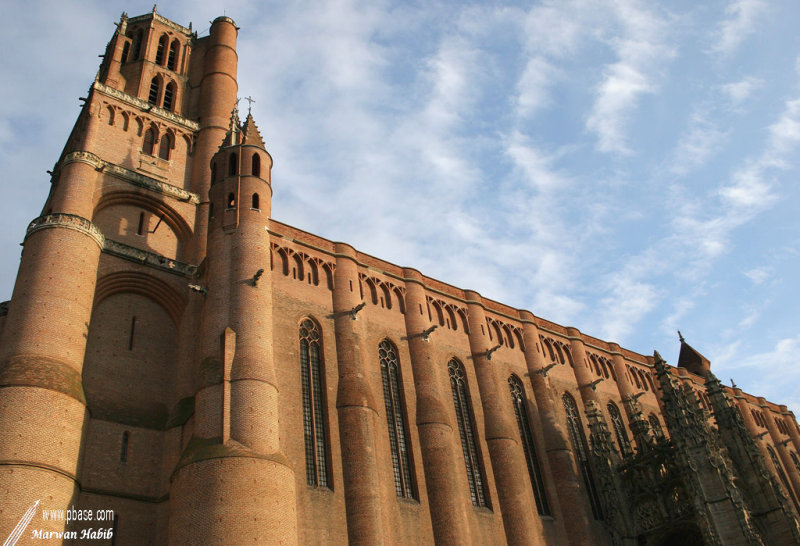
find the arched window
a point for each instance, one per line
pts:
(172, 59)
(110, 115)
(581, 449)
(165, 146)
(137, 45)
(255, 201)
(169, 97)
(466, 429)
(125, 50)
(396, 420)
(256, 167)
(655, 424)
(162, 46)
(232, 164)
(155, 87)
(231, 202)
(312, 377)
(619, 428)
(149, 141)
(525, 433)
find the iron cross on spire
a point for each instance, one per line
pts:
(250, 101)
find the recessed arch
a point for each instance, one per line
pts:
(144, 285)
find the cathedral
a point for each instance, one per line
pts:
(177, 366)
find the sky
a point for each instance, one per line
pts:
(629, 168)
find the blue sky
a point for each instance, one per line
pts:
(629, 168)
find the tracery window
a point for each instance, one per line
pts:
(466, 429)
(655, 424)
(619, 428)
(314, 428)
(396, 420)
(581, 449)
(782, 476)
(528, 445)
(795, 460)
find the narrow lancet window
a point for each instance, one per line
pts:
(314, 428)
(123, 454)
(172, 60)
(396, 420)
(528, 445)
(231, 203)
(256, 167)
(232, 160)
(165, 146)
(149, 142)
(162, 45)
(619, 428)
(155, 87)
(255, 202)
(466, 429)
(581, 449)
(169, 96)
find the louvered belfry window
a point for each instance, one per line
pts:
(311, 375)
(518, 399)
(466, 429)
(396, 420)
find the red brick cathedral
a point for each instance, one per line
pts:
(174, 354)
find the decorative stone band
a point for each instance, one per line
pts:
(146, 106)
(151, 259)
(132, 177)
(69, 221)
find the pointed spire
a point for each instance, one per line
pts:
(233, 136)
(251, 133)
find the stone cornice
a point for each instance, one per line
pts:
(145, 106)
(69, 221)
(133, 177)
(163, 20)
(133, 254)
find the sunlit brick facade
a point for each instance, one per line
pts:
(175, 354)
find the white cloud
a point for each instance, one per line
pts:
(758, 275)
(702, 140)
(739, 91)
(740, 19)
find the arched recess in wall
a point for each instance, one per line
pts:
(118, 215)
(130, 351)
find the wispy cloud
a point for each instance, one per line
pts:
(701, 140)
(739, 91)
(740, 20)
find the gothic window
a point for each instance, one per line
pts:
(162, 46)
(110, 116)
(619, 428)
(149, 141)
(795, 460)
(396, 420)
(655, 424)
(125, 49)
(525, 433)
(165, 146)
(232, 164)
(231, 203)
(311, 376)
(466, 429)
(169, 97)
(155, 87)
(581, 449)
(256, 167)
(782, 475)
(255, 201)
(172, 59)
